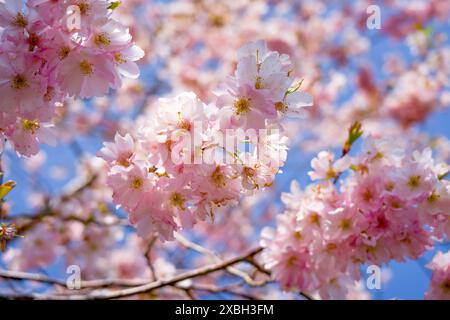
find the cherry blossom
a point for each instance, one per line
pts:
(42, 61)
(373, 217)
(173, 170)
(440, 280)
(201, 137)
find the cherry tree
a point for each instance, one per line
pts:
(193, 149)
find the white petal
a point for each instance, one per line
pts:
(129, 69)
(133, 53)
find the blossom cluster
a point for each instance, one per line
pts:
(166, 183)
(50, 50)
(440, 280)
(393, 204)
(78, 224)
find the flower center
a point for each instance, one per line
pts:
(242, 105)
(446, 286)
(345, 224)
(183, 123)
(177, 200)
(85, 68)
(33, 40)
(20, 20)
(331, 173)
(216, 20)
(124, 161)
(395, 204)
(218, 178)
(84, 7)
(30, 125)
(434, 196)
(280, 106)
(414, 181)
(367, 195)
(64, 52)
(19, 82)
(331, 246)
(136, 183)
(119, 58)
(102, 40)
(314, 218)
(389, 186)
(291, 261)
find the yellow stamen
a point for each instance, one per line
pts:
(19, 82)
(124, 162)
(102, 40)
(314, 218)
(331, 246)
(241, 105)
(345, 224)
(119, 58)
(85, 68)
(183, 124)
(377, 156)
(20, 20)
(218, 177)
(30, 125)
(367, 195)
(434, 196)
(414, 181)
(177, 200)
(259, 83)
(330, 173)
(395, 204)
(446, 286)
(389, 186)
(84, 7)
(280, 106)
(64, 52)
(216, 20)
(136, 183)
(291, 261)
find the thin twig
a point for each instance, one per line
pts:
(147, 255)
(232, 270)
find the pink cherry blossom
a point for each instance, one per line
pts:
(178, 167)
(325, 168)
(440, 280)
(383, 211)
(43, 61)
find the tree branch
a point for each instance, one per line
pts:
(136, 286)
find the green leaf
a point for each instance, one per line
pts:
(443, 176)
(354, 132)
(6, 188)
(427, 31)
(114, 5)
